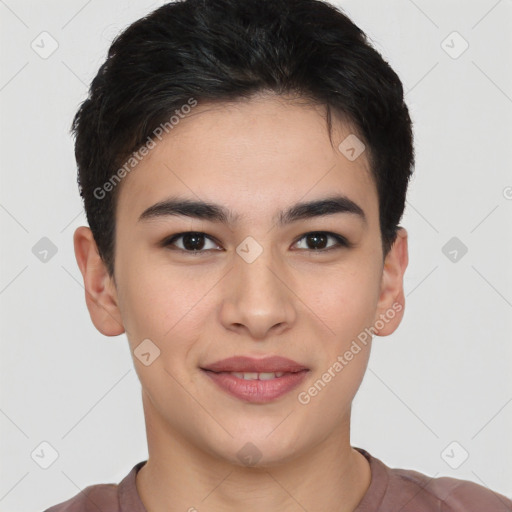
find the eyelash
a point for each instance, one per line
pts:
(341, 242)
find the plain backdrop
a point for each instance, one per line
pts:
(436, 391)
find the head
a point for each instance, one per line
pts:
(248, 108)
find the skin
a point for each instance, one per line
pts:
(256, 157)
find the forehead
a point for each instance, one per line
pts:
(256, 156)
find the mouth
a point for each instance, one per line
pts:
(255, 375)
(256, 381)
(244, 364)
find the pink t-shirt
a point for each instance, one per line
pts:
(391, 490)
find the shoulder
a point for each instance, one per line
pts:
(407, 490)
(445, 494)
(102, 497)
(122, 497)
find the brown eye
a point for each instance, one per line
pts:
(195, 243)
(192, 241)
(317, 241)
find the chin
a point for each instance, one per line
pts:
(260, 450)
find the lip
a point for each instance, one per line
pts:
(270, 364)
(256, 391)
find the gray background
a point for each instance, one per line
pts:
(442, 377)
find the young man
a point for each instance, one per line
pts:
(244, 168)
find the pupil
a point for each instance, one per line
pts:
(318, 236)
(192, 240)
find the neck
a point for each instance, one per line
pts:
(179, 475)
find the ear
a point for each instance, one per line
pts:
(391, 305)
(100, 290)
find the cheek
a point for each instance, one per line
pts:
(162, 303)
(347, 306)
(345, 300)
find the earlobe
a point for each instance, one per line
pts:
(391, 306)
(100, 293)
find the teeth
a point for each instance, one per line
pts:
(257, 376)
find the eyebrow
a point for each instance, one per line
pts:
(175, 206)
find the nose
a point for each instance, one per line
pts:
(258, 300)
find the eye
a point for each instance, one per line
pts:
(192, 242)
(318, 239)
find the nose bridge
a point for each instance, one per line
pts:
(257, 273)
(259, 276)
(257, 296)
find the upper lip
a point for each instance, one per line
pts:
(271, 364)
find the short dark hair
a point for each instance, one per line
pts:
(229, 50)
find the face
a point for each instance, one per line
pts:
(257, 283)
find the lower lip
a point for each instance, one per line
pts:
(257, 391)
